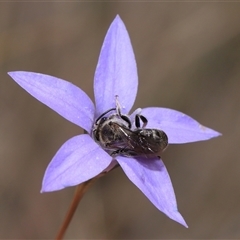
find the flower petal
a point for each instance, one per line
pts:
(179, 127)
(63, 97)
(78, 160)
(151, 177)
(116, 72)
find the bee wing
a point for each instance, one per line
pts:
(146, 143)
(135, 143)
(125, 134)
(140, 142)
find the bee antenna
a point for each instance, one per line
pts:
(112, 109)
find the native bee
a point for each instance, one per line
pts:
(116, 135)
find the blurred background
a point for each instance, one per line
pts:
(188, 57)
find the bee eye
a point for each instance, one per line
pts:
(107, 133)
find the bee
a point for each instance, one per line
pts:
(146, 142)
(115, 135)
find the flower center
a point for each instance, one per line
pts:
(114, 133)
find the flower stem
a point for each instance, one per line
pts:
(80, 190)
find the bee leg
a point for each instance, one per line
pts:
(123, 152)
(143, 119)
(115, 153)
(126, 119)
(137, 121)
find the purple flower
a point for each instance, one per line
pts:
(81, 158)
